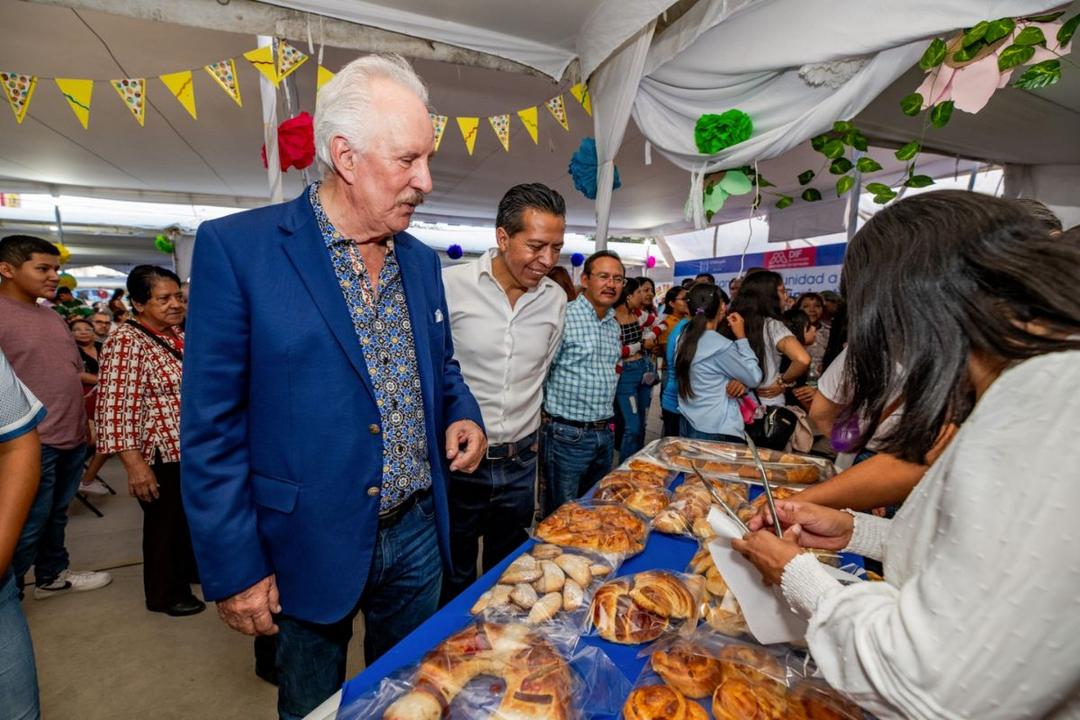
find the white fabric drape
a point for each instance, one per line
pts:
(613, 88)
(751, 61)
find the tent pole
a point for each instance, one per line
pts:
(269, 112)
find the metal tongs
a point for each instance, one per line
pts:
(765, 483)
(719, 500)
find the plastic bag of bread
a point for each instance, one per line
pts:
(547, 583)
(642, 607)
(720, 610)
(733, 460)
(687, 513)
(502, 672)
(598, 525)
(644, 497)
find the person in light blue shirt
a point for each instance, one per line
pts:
(706, 363)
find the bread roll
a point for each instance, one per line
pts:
(619, 619)
(663, 593)
(688, 669)
(545, 608)
(655, 702)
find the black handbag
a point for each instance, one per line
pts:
(773, 430)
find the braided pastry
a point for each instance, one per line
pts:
(663, 593)
(646, 499)
(739, 699)
(688, 669)
(607, 528)
(618, 619)
(538, 681)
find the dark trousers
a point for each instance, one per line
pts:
(497, 503)
(671, 423)
(402, 591)
(168, 560)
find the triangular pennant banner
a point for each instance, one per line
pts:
(133, 92)
(288, 59)
(19, 89)
(557, 108)
(77, 93)
(581, 94)
(469, 126)
(324, 77)
(179, 84)
(224, 73)
(501, 125)
(263, 60)
(438, 122)
(529, 120)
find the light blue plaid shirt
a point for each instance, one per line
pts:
(581, 382)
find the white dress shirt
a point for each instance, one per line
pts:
(979, 614)
(504, 352)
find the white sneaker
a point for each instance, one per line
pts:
(94, 487)
(72, 581)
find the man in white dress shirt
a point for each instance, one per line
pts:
(507, 320)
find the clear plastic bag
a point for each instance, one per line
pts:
(546, 584)
(643, 468)
(720, 610)
(642, 607)
(688, 510)
(734, 461)
(642, 496)
(498, 672)
(607, 527)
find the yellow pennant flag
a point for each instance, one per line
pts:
(557, 108)
(324, 77)
(179, 84)
(438, 123)
(224, 73)
(133, 92)
(469, 126)
(77, 93)
(288, 59)
(501, 125)
(263, 60)
(529, 120)
(581, 94)
(19, 89)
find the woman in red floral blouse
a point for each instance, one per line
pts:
(138, 418)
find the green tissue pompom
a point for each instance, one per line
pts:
(713, 133)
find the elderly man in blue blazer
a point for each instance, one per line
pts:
(321, 399)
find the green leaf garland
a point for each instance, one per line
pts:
(1014, 55)
(908, 151)
(1066, 31)
(806, 177)
(833, 149)
(784, 201)
(919, 181)
(878, 188)
(934, 55)
(999, 28)
(1030, 35)
(976, 33)
(840, 166)
(867, 165)
(912, 104)
(811, 195)
(844, 184)
(940, 114)
(1038, 76)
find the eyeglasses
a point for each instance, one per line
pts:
(604, 277)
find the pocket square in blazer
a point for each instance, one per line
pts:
(438, 315)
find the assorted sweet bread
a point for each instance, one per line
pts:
(821, 702)
(736, 460)
(642, 607)
(539, 684)
(543, 582)
(651, 473)
(660, 702)
(720, 610)
(688, 510)
(645, 498)
(605, 527)
(688, 668)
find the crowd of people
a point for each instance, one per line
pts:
(334, 424)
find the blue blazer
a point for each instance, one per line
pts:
(279, 429)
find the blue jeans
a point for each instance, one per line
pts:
(18, 676)
(574, 459)
(41, 543)
(496, 502)
(632, 399)
(688, 431)
(402, 591)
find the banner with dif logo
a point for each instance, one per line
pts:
(804, 269)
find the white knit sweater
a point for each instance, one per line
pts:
(979, 616)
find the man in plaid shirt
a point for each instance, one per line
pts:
(580, 389)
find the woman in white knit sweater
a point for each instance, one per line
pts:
(979, 614)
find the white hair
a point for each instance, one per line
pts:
(345, 104)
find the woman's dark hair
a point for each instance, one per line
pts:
(647, 280)
(983, 269)
(1044, 215)
(757, 301)
(670, 297)
(811, 296)
(705, 301)
(630, 286)
(837, 337)
(140, 281)
(797, 321)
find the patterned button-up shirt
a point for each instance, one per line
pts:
(384, 331)
(581, 383)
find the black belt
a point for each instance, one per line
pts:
(507, 451)
(586, 424)
(391, 516)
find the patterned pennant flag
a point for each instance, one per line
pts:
(224, 73)
(501, 125)
(581, 94)
(529, 120)
(19, 89)
(438, 122)
(324, 77)
(133, 92)
(179, 84)
(263, 60)
(469, 126)
(557, 108)
(288, 59)
(77, 93)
